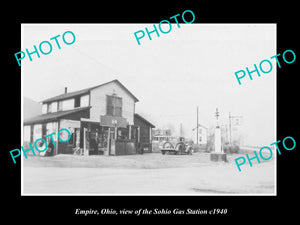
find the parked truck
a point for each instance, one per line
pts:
(177, 146)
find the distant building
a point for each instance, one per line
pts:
(31, 108)
(160, 136)
(202, 135)
(101, 120)
(161, 132)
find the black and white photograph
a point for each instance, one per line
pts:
(149, 112)
(167, 116)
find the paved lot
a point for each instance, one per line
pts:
(145, 174)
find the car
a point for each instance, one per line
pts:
(176, 146)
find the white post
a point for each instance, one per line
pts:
(85, 150)
(138, 136)
(129, 132)
(108, 141)
(218, 147)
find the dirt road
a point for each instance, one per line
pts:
(151, 174)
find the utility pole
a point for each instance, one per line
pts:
(218, 136)
(197, 126)
(229, 128)
(180, 129)
(217, 116)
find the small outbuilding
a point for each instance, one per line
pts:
(145, 130)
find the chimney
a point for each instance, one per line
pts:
(66, 90)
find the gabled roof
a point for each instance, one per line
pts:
(199, 125)
(67, 95)
(53, 116)
(86, 91)
(144, 120)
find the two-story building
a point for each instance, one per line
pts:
(202, 136)
(101, 120)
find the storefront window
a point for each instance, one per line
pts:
(103, 137)
(133, 133)
(37, 131)
(50, 128)
(122, 133)
(26, 134)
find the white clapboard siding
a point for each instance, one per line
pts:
(98, 102)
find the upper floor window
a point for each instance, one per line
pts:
(44, 108)
(60, 105)
(49, 108)
(113, 105)
(84, 100)
(54, 107)
(77, 101)
(68, 104)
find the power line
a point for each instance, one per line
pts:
(93, 59)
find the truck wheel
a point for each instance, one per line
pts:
(167, 145)
(179, 147)
(163, 152)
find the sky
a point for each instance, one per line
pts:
(171, 75)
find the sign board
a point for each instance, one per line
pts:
(112, 121)
(69, 123)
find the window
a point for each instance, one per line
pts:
(37, 131)
(114, 106)
(54, 106)
(122, 133)
(49, 108)
(68, 104)
(44, 108)
(84, 100)
(59, 108)
(27, 133)
(50, 128)
(77, 102)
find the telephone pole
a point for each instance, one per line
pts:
(229, 128)
(181, 133)
(197, 126)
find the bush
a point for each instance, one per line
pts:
(231, 149)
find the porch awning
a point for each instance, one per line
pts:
(43, 118)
